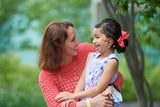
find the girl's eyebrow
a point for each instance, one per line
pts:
(98, 34)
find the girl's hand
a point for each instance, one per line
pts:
(102, 100)
(63, 96)
(109, 91)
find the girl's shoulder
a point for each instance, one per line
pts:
(113, 56)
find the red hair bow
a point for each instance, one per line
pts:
(124, 36)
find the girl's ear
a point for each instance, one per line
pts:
(111, 41)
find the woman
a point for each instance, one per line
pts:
(62, 60)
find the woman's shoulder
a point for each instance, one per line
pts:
(85, 46)
(44, 75)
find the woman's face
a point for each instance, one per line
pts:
(71, 43)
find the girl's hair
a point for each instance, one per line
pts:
(51, 51)
(112, 29)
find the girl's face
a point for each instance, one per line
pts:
(71, 43)
(100, 41)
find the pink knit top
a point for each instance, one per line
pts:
(51, 83)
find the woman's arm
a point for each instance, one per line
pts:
(48, 84)
(81, 83)
(118, 83)
(100, 100)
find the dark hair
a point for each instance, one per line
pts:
(51, 48)
(112, 29)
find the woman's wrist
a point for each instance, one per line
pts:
(92, 102)
(88, 103)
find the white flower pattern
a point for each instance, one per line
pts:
(94, 70)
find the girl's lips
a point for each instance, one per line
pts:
(96, 47)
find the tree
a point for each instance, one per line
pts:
(119, 9)
(19, 16)
(7, 13)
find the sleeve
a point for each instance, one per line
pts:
(118, 83)
(50, 89)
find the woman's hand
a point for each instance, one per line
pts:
(63, 96)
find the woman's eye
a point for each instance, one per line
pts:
(97, 36)
(73, 39)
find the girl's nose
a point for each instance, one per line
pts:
(93, 41)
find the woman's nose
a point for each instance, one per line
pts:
(77, 41)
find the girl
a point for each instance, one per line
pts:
(101, 68)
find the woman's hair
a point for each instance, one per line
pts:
(112, 29)
(51, 51)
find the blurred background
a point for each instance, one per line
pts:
(22, 23)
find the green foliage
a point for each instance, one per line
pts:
(150, 7)
(122, 6)
(128, 90)
(20, 88)
(8, 8)
(7, 68)
(17, 16)
(147, 30)
(147, 17)
(152, 74)
(44, 12)
(19, 84)
(153, 77)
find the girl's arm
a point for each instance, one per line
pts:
(81, 82)
(79, 87)
(103, 82)
(100, 100)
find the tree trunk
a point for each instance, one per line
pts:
(134, 54)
